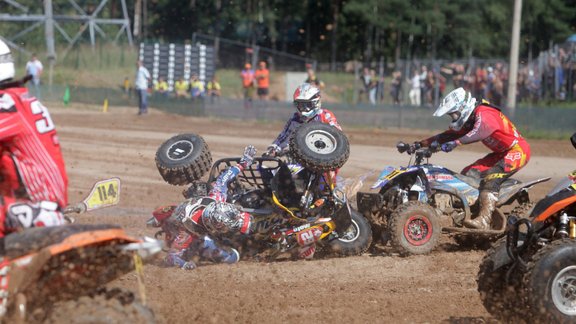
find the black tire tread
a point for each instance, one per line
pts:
(396, 234)
(189, 172)
(532, 298)
(312, 162)
(360, 245)
(500, 299)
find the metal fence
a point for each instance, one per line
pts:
(535, 121)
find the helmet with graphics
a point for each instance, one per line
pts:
(307, 101)
(459, 105)
(221, 217)
(6, 63)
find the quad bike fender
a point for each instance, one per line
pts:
(437, 186)
(343, 217)
(390, 173)
(508, 194)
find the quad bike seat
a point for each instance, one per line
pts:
(475, 182)
(284, 187)
(34, 239)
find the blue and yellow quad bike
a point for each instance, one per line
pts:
(414, 204)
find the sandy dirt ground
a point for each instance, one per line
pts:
(376, 287)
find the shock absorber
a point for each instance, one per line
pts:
(563, 222)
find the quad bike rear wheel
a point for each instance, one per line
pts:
(355, 240)
(550, 283)
(114, 306)
(414, 228)
(319, 147)
(499, 288)
(183, 159)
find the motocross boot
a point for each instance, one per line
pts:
(487, 202)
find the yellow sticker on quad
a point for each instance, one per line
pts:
(105, 193)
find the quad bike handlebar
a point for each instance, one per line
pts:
(417, 149)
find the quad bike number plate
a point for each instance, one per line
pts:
(104, 193)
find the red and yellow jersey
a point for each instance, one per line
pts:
(489, 125)
(28, 137)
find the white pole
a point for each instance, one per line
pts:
(514, 49)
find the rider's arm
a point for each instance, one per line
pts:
(442, 138)
(220, 189)
(283, 138)
(327, 117)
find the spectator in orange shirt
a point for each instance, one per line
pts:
(262, 76)
(247, 76)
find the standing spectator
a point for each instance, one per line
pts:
(247, 76)
(430, 85)
(372, 87)
(396, 87)
(181, 88)
(141, 85)
(366, 79)
(196, 87)
(161, 87)
(313, 79)
(423, 84)
(262, 76)
(127, 87)
(34, 68)
(213, 89)
(415, 89)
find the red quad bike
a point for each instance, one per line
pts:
(284, 195)
(530, 275)
(57, 274)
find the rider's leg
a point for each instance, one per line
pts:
(211, 251)
(509, 163)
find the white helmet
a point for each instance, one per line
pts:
(6, 62)
(458, 101)
(307, 101)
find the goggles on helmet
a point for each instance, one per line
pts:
(304, 106)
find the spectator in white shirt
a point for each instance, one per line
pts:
(141, 86)
(34, 68)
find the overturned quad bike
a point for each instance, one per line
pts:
(416, 203)
(293, 194)
(530, 274)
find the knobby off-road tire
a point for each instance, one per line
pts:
(114, 306)
(550, 283)
(356, 240)
(498, 293)
(414, 228)
(183, 159)
(319, 147)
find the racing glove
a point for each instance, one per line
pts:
(271, 151)
(449, 146)
(248, 156)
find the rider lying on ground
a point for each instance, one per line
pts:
(193, 226)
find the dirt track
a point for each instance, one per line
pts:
(378, 287)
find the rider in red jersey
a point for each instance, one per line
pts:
(472, 122)
(34, 184)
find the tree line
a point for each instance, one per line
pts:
(341, 30)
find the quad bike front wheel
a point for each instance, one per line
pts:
(355, 240)
(550, 283)
(319, 147)
(414, 228)
(183, 159)
(499, 288)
